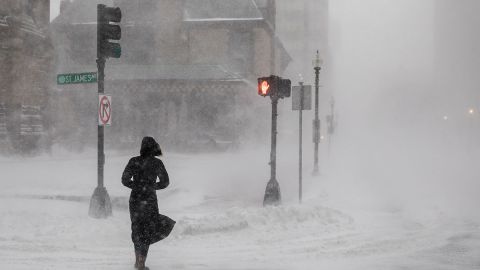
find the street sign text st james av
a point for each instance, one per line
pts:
(77, 78)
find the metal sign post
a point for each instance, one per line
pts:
(316, 121)
(301, 100)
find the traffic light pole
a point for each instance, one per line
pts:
(100, 204)
(273, 148)
(272, 191)
(101, 129)
(316, 123)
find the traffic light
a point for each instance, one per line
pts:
(277, 88)
(266, 86)
(107, 32)
(274, 86)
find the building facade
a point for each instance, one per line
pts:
(188, 69)
(26, 57)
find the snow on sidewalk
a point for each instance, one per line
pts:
(221, 224)
(51, 234)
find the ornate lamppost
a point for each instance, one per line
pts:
(317, 63)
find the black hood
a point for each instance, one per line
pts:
(150, 147)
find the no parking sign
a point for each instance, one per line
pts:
(104, 110)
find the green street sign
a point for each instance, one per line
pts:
(76, 78)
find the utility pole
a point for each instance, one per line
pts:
(316, 121)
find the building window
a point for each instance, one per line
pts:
(241, 51)
(29, 8)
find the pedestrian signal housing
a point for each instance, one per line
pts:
(265, 86)
(284, 88)
(274, 86)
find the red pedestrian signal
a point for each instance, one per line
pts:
(264, 88)
(274, 86)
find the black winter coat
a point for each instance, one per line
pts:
(148, 226)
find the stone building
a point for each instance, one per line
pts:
(26, 56)
(188, 69)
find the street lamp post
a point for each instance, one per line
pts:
(316, 122)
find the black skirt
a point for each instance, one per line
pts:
(162, 226)
(148, 226)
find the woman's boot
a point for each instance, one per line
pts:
(141, 262)
(136, 260)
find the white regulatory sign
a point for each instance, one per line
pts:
(307, 97)
(104, 110)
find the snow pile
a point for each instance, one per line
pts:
(270, 218)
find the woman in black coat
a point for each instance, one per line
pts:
(148, 226)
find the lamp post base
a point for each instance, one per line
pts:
(100, 204)
(272, 194)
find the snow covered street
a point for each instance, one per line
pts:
(44, 222)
